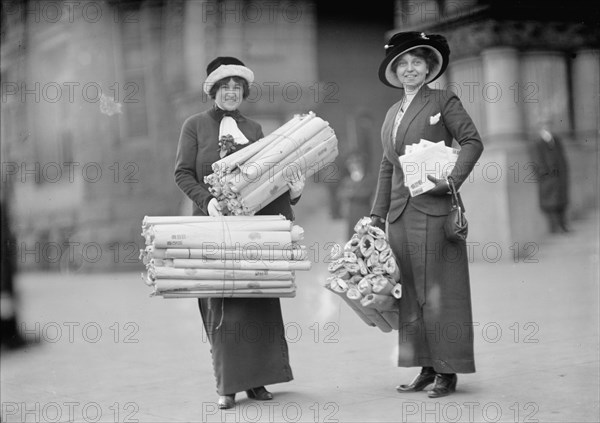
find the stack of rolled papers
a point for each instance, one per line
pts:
(365, 275)
(249, 179)
(223, 256)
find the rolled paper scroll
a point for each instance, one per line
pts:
(380, 302)
(342, 273)
(392, 318)
(237, 264)
(362, 225)
(380, 244)
(336, 284)
(168, 236)
(337, 251)
(160, 220)
(335, 265)
(218, 274)
(367, 245)
(354, 294)
(258, 171)
(381, 285)
(228, 163)
(362, 266)
(355, 279)
(247, 252)
(241, 293)
(371, 270)
(378, 270)
(364, 287)
(350, 257)
(397, 291)
(352, 268)
(208, 285)
(375, 232)
(373, 260)
(385, 255)
(353, 244)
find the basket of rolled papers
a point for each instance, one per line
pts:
(247, 180)
(364, 273)
(222, 256)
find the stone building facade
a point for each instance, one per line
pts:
(94, 94)
(514, 64)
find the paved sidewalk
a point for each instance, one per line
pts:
(110, 353)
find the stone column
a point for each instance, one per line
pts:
(498, 189)
(467, 81)
(198, 15)
(503, 115)
(544, 90)
(586, 93)
(583, 151)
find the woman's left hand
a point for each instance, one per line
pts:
(296, 184)
(441, 186)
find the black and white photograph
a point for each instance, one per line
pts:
(300, 211)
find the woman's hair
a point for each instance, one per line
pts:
(424, 53)
(221, 82)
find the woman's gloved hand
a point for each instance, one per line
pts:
(378, 222)
(296, 182)
(441, 186)
(214, 208)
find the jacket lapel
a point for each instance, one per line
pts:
(416, 105)
(388, 127)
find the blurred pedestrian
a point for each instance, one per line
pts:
(435, 309)
(552, 175)
(10, 336)
(247, 336)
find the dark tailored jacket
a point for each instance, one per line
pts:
(198, 149)
(454, 123)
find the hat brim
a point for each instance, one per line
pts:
(389, 77)
(225, 71)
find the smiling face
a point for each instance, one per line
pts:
(411, 70)
(229, 95)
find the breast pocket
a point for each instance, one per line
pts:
(434, 128)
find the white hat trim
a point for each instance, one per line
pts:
(224, 71)
(393, 78)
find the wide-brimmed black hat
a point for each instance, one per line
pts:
(225, 66)
(403, 42)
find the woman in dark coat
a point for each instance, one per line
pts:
(435, 310)
(248, 346)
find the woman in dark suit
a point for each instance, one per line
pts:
(247, 339)
(435, 310)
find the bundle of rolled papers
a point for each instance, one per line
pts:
(223, 256)
(365, 275)
(249, 179)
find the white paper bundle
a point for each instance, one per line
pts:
(223, 256)
(365, 275)
(247, 180)
(423, 159)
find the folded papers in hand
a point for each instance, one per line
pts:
(427, 158)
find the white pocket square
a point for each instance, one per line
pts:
(434, 119)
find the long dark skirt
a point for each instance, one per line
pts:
(248, 343)
(436, 327)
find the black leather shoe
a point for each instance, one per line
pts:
(259, 393)
(226, 401)
(419, 383)
(444, 385)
